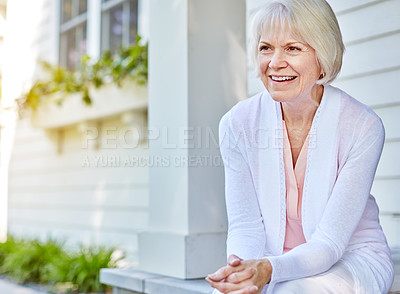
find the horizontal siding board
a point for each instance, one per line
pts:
(96, 219)
(391, 227)
(76, 160)
(371, 56)
(391, 121)
(375, 90)
(385, 15)
(389, 166)
(96, 177)
(77, 188)
(387, 195)
(337, 5)
(137, 198)
(251, 5)
(342, 5)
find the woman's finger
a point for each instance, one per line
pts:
(226, 287)
(247, 290)
(222, 273)
(234, 260)
(241, 276)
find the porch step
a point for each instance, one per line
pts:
(130, 281)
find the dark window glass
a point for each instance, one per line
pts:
(73, 46)
(66, 10)
(119, 25)
(133, 20)
(73, 32)
(82, 6)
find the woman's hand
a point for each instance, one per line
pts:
(241, 276)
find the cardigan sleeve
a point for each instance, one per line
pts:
(246, 235)
(343, 211)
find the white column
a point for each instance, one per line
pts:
(197, 67)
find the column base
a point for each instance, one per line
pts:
(181, 256)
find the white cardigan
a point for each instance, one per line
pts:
(339, 216)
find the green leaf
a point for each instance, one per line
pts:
(130, 62)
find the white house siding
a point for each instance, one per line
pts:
(59, 186)
(371, 73)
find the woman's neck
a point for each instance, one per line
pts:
(300, 113)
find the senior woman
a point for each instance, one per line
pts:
(300, 159)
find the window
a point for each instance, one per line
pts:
(112, 23)
(72, 32)
(119, 23)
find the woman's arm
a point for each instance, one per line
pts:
(246, 272)
(246, 235)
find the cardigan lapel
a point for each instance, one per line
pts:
(271, 174)
(322, 160)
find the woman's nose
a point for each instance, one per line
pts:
(277, 61)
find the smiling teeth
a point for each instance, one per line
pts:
(282, 78)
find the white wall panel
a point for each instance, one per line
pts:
(120, 220)
(389, 166)
(372, 56)
(342, 5)
(391, 227)
(376, 89)
(357, 25)
(104, 198)
(51, 193)
(390, 118)
(387, 195)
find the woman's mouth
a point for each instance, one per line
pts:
(282, 78)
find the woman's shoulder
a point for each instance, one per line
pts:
(356, 118)
(353, 111)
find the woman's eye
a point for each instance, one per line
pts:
(264, 48)
(293, 49)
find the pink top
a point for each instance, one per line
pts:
(294, 192)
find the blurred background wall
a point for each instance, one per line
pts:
(66, 182)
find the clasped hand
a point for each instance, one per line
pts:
(241, 276)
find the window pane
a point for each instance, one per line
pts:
(119, 25)
(66, 9)
(113, 28)
(133, 13)
(82, 6)
(73, 46)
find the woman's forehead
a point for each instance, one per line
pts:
(280, 36)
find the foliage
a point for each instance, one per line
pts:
(128, 62)
(82, 269)
(28, 261)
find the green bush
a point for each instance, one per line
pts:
(29, 261)
(32, 261)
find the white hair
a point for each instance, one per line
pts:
(312, 22)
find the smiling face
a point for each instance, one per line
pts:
(288, 68)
